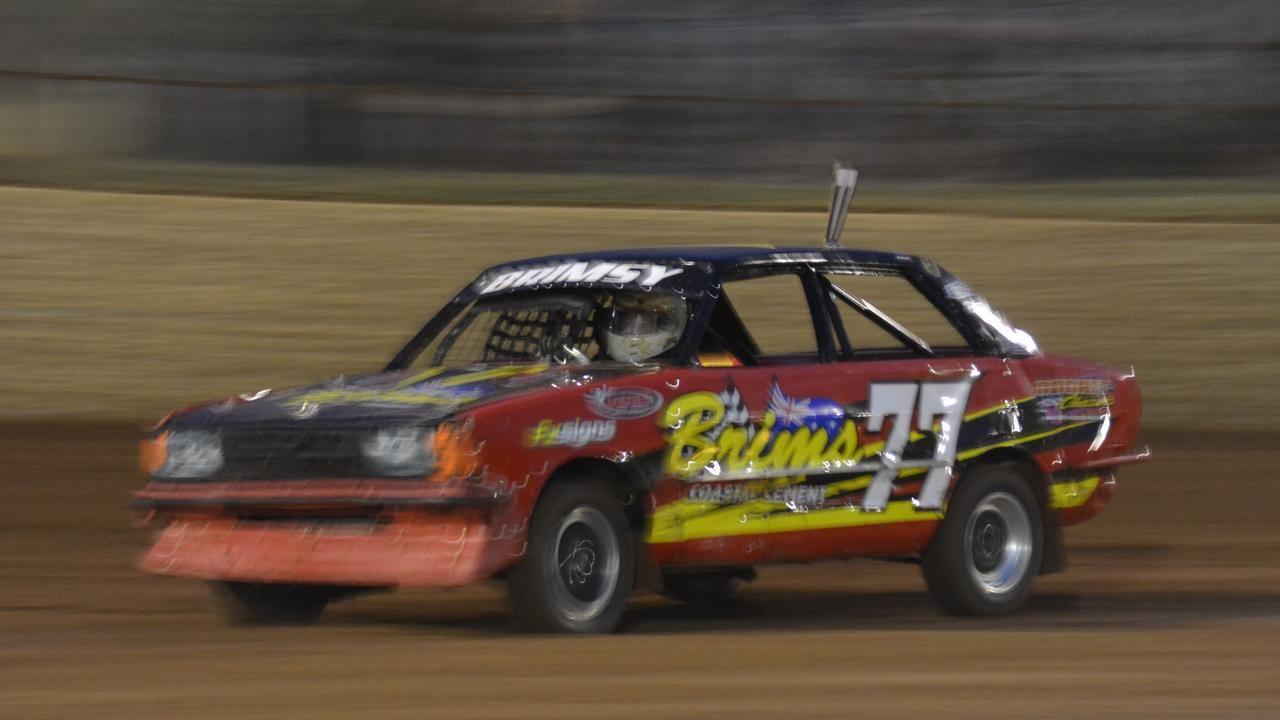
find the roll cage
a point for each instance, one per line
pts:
(716, 327)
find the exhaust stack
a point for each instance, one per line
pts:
(843, 181)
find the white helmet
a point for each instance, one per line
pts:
(644, 325)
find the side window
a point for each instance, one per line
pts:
(894, 297)
(775, 313)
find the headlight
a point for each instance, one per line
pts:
(190, 454)
(398, 451)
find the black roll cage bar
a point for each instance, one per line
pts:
(875, 315)
(821, 295)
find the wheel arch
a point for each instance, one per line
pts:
(628, 487)
(1053, 559)
(632, 491)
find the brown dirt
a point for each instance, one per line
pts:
(1170, 609)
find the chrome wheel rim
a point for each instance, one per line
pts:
(586, 564)
(998, 544)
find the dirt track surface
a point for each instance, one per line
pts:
(1171, 609)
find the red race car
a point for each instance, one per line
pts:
(585, 424)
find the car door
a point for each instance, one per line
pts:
(910, 380)
(758, 378)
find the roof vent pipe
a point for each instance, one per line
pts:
(843, 181)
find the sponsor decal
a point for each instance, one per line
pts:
(1082, 402)
(646, 274)
(714, 436)
(798, 257)
(571, 433)
(623, 403)
(1064, 401)
(718, 508)
(1078, 386)
(741, 492)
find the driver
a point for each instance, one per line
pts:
(642, 325)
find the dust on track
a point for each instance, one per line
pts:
(1171, 609)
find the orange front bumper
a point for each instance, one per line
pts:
(422, 549)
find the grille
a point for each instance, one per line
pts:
(290, 455)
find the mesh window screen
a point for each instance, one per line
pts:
(558, 329)
(538, 333)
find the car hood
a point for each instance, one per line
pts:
(410, 396)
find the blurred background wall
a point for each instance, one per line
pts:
(948, 89)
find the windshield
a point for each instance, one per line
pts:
(565, 327)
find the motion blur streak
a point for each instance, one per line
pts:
(950, 89)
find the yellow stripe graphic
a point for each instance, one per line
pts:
(494, 373)
(426, 375)
(376, 396)
(400, 394)
(968, 454)
(752, 519)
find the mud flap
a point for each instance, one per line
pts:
(1054, 558)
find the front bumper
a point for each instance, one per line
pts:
(369, 533)
(319, 493)
(427, 550)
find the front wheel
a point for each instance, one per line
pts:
(577, 572)
(987, 551)
(247, 603)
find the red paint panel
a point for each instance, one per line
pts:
(902, 538)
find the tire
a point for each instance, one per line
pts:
(704, 589)
(272, 604)
(578, 568)
(987, 552)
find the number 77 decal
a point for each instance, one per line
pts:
(944, 401)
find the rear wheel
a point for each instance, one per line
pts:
(577, 572)
(987, 551)
(273, 603)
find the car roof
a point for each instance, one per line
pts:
(725, 256)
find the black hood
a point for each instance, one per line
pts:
(408, 396)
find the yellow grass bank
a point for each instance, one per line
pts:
(124, 306)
